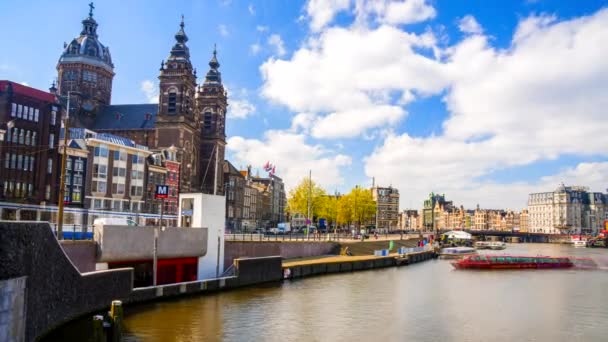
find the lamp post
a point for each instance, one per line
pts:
(61, 198)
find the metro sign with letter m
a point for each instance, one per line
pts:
(162, 191)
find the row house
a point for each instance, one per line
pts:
(30, 122)
(387, 207)
(111, 176)
(409, 220)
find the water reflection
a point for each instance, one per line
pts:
(424, 302)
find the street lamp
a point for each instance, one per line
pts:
(64, 158)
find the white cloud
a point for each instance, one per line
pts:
(293, 157)
(25, 84)
(303, 122)
(322, 12)
(261, 28)
(468, 24)
(240, 109)
(255, 48)
(277, 43)
(223, 30)
(150, 90)
(251, 9)
(394, 12)
(349, 94)
(541, 98)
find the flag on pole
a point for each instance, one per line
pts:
(391, 245)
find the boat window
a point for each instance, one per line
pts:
(500, 259)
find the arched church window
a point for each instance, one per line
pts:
(207, 120)
(172, 103)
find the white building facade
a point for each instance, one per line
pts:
(567, 210)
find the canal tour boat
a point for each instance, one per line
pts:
(456, 252)
(482, 244)
(492, 262)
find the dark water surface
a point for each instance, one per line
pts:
(424, 302)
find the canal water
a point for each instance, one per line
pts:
(429, 301)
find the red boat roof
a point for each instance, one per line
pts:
(28, 91)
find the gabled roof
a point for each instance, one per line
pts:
(27, 91)
(131, 116)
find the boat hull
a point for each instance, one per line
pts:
(503, 262)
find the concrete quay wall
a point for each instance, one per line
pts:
(55, 291)
(285, 249)
(82, 254)
(313, 269)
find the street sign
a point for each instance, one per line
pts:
(162, 191)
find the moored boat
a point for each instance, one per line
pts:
(456, 252)
(490, 262)
(497, 245)
(482, 244)
(580, 243)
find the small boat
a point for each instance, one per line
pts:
(493, 262)
(482, 244)
(497, 245)
(580, 243)
(456, 252)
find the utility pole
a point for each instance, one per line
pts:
(308, 218)
(61, 199)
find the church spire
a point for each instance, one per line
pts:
(180, 52)
(213, 75)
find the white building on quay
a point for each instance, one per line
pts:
(567, 210)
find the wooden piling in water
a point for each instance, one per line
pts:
(116, 317)
(99, 334)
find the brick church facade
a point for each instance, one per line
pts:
(189, 116)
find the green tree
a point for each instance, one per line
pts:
(297, 202)
(358, 207)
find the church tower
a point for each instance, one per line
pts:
(211, 103)
(176, 119)
(85, 68)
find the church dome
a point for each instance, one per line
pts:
(87, 48)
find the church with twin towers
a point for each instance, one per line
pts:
(190, 116)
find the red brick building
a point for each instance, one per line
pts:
(31, 121)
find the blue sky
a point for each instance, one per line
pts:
(478, 124)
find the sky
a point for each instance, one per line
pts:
(482, 101)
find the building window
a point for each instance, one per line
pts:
(116, 205)
(119, 172)
(15, 135)
(30, 189)
(89, 76)
(118, 189)
(28, 138)
(19, 161)
(172, 108)
(53, 117)
(22, 136)
(36, 112)
(76, 195)
(49, 166)
(207, 120)
(47, 192)
(101, 151)
(77, 179)
(33, 138)
(78, 165)
(13, 109)
(19, 110)
(100, 171)
(99, 186)
(7, 160)
(68, 164)
(51, 140)
(31, 114)
(32, 163)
